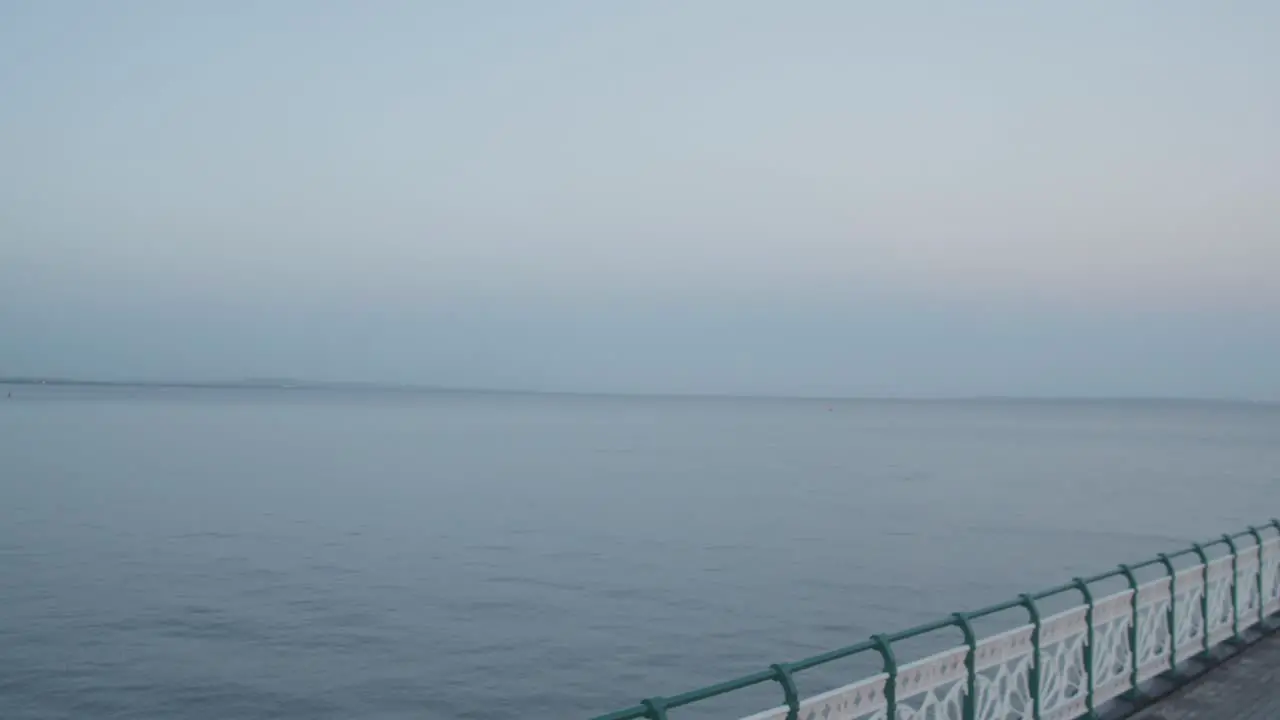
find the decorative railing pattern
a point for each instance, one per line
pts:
(1055, 667)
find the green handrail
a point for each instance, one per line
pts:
(658, 707)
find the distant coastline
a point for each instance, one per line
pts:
(385, 387)
(243, 384)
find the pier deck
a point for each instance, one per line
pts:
(1246, 687)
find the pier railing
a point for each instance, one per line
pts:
(1055, 666)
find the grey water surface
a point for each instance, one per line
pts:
(219, 553)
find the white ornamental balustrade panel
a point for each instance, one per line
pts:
(1155, 641)
(1187, 611)
(1063, 682)
(862, 700)
(1112, 656)
(1248, 600)
(1218, 589)
(1271, 576)
(1003, 666)
(933, 688)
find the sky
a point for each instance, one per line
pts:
(831, 198)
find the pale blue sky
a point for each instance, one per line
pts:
(1074, 198)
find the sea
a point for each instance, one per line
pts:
(285, 553)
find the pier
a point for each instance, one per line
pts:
(1187, 635)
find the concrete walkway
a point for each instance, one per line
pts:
(1246, 687)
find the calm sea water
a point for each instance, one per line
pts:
(312, 554)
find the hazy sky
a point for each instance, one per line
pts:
(778, 197)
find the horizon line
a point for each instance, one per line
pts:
(391, 386)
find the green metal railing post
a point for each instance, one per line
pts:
(1083, 587)
(655, 708)
(970, 664)
(1204, 596)
(1173, 610)
(1275, 523)
(1033, 679)
(1235, 587)
(890, 669)
(1133, 629)
(1257, 538)
(782, 673)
